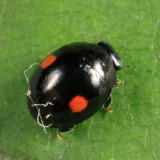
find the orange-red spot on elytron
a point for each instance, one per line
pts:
(48, 61)
(78, 103)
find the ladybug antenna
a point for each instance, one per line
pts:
(39, 117)
(128, 66)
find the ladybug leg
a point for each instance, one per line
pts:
(64, 129)
(107, 103)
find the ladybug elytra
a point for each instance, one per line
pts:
(72, 84)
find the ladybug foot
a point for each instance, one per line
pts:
(109, 110)
(59, 135)
(49, 51)
(118, 82)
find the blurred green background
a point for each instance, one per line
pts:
(29, 28)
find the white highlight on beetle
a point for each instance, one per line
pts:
(53, 79)
(116, 62)
(39, 117)
(96, 73)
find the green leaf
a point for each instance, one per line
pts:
(29, 29)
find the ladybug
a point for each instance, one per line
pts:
(72, 84)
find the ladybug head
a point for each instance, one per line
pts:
(118, 63)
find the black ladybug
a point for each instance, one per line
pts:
(72, 84)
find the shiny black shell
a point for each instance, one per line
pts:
(82, 69)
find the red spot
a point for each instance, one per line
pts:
(48, 61)
(78, 103)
